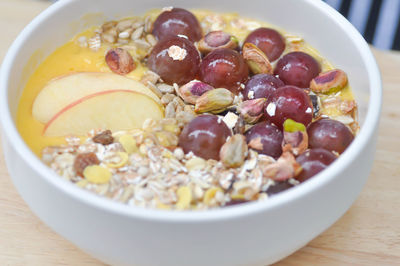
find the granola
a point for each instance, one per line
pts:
(159, 177)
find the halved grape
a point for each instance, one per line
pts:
(265, 138)
(261, 86)
(224, 68)
(175, 59)
(177, 21)
(204, 136)
(269, 41)
(298, 69)
(289, 102)
(329, 134)
(313, 161)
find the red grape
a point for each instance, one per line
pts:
(177, 21)
(265, 138)
(329, 134)
(234, 202)
(298, 69)
(289, 102)
(313, 161)
(261, 86)
(278, 187)
(175, 59)
(269, 41)
(204, 136)
(224, 68)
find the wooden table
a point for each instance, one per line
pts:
(368, 234)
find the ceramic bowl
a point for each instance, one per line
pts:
(257, 233)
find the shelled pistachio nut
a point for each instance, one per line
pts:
(329, 82)
(234, 151)
(252, 110)
(295, 137)
(217, 39)
(256, 59)
(214, 101)
(191, 91)
(283, 169)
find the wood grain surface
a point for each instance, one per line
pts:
(368, 234)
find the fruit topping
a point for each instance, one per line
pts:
(289, 102)
(83, 160)
(104, 138)
(329, 134)
(278, 187)
(314, 161)
(261, 86)
(64, 90)
(175, 59)
(265, 138)
(204, 136)
(177, 21)
(269, 41)
(298, 69)
(224, 68)
(103, 111)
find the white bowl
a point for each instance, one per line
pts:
(252, 234)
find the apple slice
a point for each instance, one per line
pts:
(62, 91)
(115, 110)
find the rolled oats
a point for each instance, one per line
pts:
(165, 88)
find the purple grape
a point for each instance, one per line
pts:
(298, 69)
(177, 21)
(269, 41)
(313, 161)
(329, 134)
(261, 86)
(289, 102)
(278, 187)
(265, 138)
(204, 136)
(175, 68)
(224, 68)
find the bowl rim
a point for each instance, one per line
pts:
(367, 131)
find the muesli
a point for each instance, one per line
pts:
(187, 110)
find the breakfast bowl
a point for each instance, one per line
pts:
(255, 233)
